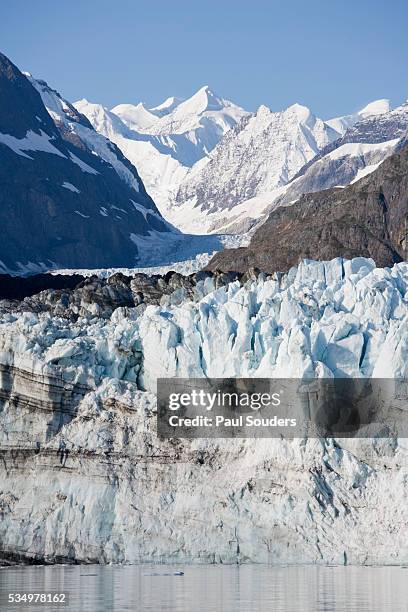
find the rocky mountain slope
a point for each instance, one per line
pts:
(257, 165)
(68, 196)
(368, 218)
(368, 140)
(377, 131)
(264, 152)
(84, 477)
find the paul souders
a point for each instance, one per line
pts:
(250, 420)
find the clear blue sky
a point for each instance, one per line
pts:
(331, 55)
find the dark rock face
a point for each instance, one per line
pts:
(76, 296)
(366, 219)
(61, 204)
(20, 105)
(67, 296)
(15, 288)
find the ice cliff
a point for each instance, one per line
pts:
(84, 477)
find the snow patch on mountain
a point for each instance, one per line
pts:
(62, 112)
(83, 165)
(31, 142)
(70, 187)
(341, 124)
(355, 149)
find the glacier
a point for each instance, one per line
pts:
(85, 478)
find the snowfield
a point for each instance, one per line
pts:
(165, 141)
(108, 490)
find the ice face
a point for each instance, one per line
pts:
(347, 316)
(108, 490)
(334, 314)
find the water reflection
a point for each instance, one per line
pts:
(247, 588)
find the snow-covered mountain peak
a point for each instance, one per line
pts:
(296, 114)
(166, 140)
(136, 116)
(403, 107)
(166, 107)
(262, 153)
(102, 119)
(82, 102)
(263, 111)
(204, 100)
(197, 169)
(301, 115)
(176, 116)
(204, 105)
(379, 127)
(302, 112)
(378, 107)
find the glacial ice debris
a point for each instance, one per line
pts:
(340, 318)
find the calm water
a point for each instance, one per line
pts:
(251, 588)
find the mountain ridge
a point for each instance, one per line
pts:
(365, 219)
(69, 197)
(198, 189)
